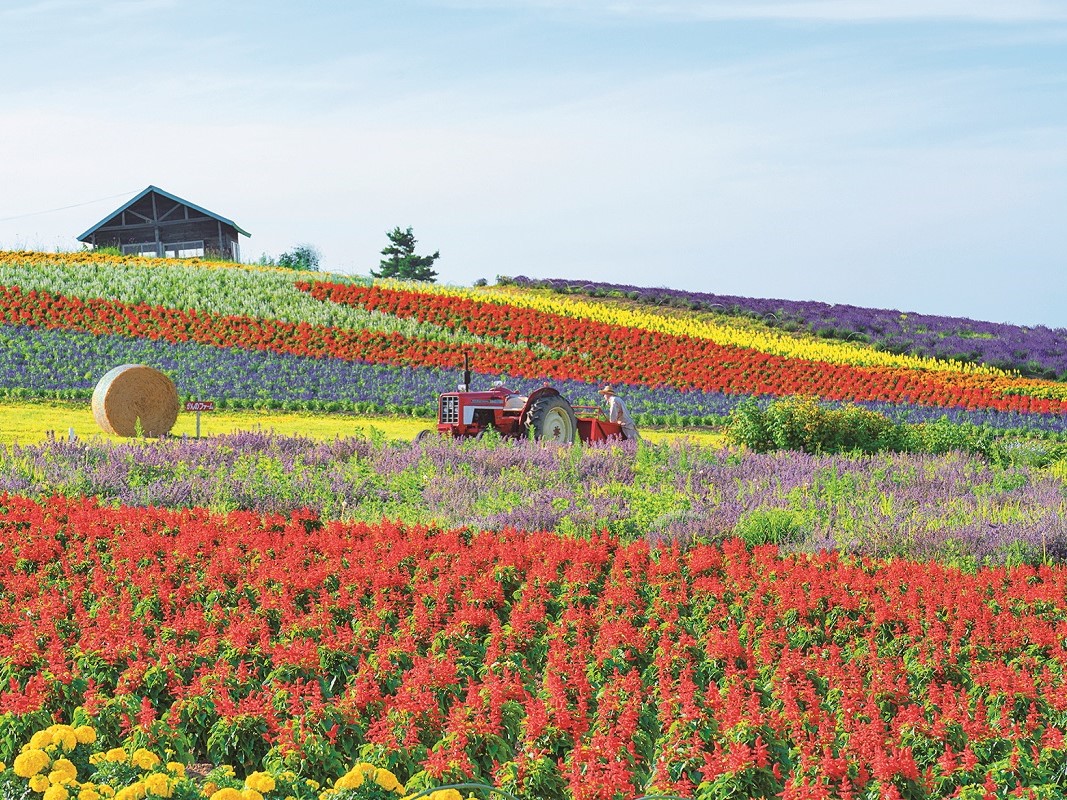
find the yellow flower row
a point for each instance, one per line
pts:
(724, 334)
(148, 262)
(763, 340)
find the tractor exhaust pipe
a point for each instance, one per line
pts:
(466, 373)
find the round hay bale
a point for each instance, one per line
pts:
(135, 392)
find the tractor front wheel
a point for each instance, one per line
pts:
(552, 420)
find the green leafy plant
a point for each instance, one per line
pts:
(771, 526)
(302, 257)
(802, 423)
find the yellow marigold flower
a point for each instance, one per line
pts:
(226, 794)
(251, 794)
(41, 739)
(176, 768)
(228, 770)
(64, 737)
(56, 792)
(209, 788)
(446, 794)
(315, 785)
(387, 780)
(352, 779)
(158, 785)
(64, 767)
(144, 759)
(86, 734)
(135, 791)
(115, 755)
(260, 782)
(39, 783)
(29, 762)
(88, 794)
(106, 791)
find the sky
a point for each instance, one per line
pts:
(907, 154)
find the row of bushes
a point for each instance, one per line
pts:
(801, 423)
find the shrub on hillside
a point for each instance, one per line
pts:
(747, 425)
(800, 423)
(943, 436)
(302, 257)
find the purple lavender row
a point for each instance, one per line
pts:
(919, 506)
(1036, 351)
(39, 362)
(35, 361)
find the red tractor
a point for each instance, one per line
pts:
(544, 413)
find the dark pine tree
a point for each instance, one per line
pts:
(401, 262)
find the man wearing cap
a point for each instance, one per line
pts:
(617, 413)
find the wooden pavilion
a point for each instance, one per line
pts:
(157, 223)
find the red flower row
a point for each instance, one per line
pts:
(632, 355)
(143, 320)
(577, 349)
(533, 660)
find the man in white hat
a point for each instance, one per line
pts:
(617, 413)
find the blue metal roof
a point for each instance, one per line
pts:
(169, 196)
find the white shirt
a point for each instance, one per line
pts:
(617, 413)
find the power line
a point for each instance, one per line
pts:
(64, 208)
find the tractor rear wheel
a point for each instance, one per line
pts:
(553, 420)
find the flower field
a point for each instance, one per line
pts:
(549, 665)
(629, 354)
(228, 331)
(42, 421)
(259, 616)
(51, 363)
(1036, 350)
(954, 508)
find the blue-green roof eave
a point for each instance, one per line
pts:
(169, 196)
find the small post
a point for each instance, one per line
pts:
(70, 434)
(198, 406)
